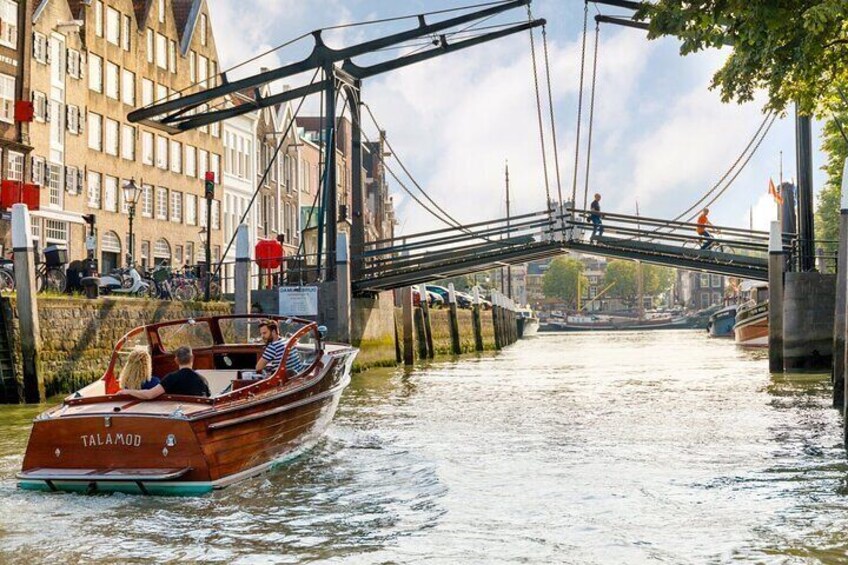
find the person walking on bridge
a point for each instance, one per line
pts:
(703, 223)
(595, 217)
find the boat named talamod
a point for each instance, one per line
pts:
(99, 440)
(752, 316)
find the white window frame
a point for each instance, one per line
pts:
(162, 203)
(111, 137)
(128, 142)
(113, 80)
(126, 32)
(162, 152)
(190, 161)
(98, 18)
(113, 26)
(147, 201)
(95, 72)
(9, 24)
(128, 87)
(176, 158)
(176, 207)
(148, 143)
(111, 187)
(95, 131)
(151, 47)
(161, 51)
(94, 190)
(191, 209)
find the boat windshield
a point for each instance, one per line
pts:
(246, 330)
(191, 333)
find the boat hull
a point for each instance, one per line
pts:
(527, 326)
(184, 456)
(721, 323)
(751, 329)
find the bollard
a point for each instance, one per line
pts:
(456, 344)
(840, 322)
(343, 288)
(420, 330)
(477, 321)
(775, 319)
(408, 337)
(496, 320)
(27, 304)
(428, 328)
(242, 276)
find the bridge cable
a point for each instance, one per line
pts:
(553, 120)
(539, 116)
(591, 114)
(580, 110)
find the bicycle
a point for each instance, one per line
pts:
(718, 251)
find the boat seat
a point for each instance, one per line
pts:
(218, 379)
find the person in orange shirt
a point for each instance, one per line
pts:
(703, 223)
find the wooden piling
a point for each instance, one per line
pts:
(477, 321)
(776, 266)
(496, 321)
(456, 344)
(30, 332)
(420, 329)
(428, 328)
(840, 320)
(408, 337)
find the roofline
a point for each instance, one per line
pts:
(191, 25)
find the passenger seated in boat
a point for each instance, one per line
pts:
(137, 373)
(275, 346)
(184, 381)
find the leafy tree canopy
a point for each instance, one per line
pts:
(561, 279)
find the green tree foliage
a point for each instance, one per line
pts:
(624, 274)
(560, 280)
(836, 149)
(796, 50)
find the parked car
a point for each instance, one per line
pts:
(433, 299)
(443, 292)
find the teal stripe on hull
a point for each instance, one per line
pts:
(152, 488)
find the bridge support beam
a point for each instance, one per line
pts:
(840, 324)
(775, 320)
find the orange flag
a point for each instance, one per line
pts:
(775, 193)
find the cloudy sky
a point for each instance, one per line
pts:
(661, 137)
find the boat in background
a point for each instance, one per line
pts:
(528, 323)
(751, 327)
(100, 440)
(722, 322)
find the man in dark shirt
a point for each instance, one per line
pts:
(595, 217)
(184, 381)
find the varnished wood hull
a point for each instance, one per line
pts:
(751, 329)
(175, 454)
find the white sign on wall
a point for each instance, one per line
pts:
(299, 301)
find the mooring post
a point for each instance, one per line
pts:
(775, 317)
(428, 328)
(476, 321)
(456, 345)
(513, 323)
(343, 288)
(496, 320)
(408, 337)
(420, 328)
(242, 276)
(27, 304)
(840, 318)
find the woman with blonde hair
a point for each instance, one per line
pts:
(137, 373)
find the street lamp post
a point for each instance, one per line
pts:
(131, 195)
(210, 196)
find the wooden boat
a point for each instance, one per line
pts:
(528, 323)
(751, 328)
(722, 322)
(98, 440)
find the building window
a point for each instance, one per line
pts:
(190, 161)
(216, 214)
(161, 51)
(74, 63)
(215, 166)
(9, 23)
(128, 142)
(128, 87)
(147, 148)
(191, 209)
(150, 47)
(39, 106)
(54, 183)
(202, 70)
(39, 47)
(162, 252)
(147, 201)
(112, 76)
(162, 152)
(74, 120)
(716, 280)
(72, 180)
(161, 11)
(202, 163)
(93, 190)
(7, 99)
(145, 254)
(204, 29)
(146, 92)
(113, 26)
(203, 207)
(112, 132)
(176, 157)
(95, 73)
(192, 66)
(177, 207)
(55, 231)
(172, 56)
(704, 280)
(37, 173)
(125, 33)
(178, 255)
(161, 203)
(95, 131)
(190, 253)
(16, 166)
(110, 194)
(98, 18)
(161, 93)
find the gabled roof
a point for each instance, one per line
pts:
(77, 7)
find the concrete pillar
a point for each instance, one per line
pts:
(343, 288)
(27, 303)
(477, 321)
(428, 328)
(408, 338)
(242, 276)
(808, 308)
(456, 344)
(840, 319)
(775, 274)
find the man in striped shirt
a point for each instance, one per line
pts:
(275, 346)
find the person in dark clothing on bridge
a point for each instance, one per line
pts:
(595, 218)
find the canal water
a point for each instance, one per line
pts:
(655, 447)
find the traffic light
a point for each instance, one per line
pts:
(210, 184)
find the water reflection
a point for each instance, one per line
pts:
(657, 447)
